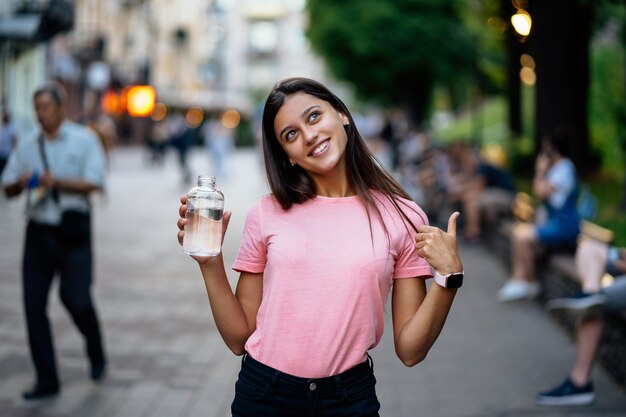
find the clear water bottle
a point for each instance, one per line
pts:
(205, 211)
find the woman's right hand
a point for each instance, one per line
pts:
(182, 221)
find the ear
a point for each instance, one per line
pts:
(344, 119)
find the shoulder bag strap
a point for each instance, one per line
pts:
(42, 152)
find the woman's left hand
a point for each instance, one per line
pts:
(440, 248)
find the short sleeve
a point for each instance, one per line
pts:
(19, 161)
(563, 178)
(12, 170)
(252, 254)
(408, 263)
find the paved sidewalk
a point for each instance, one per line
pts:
(167, 359)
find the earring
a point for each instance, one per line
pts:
(292, 163)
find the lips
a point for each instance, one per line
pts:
(320, 148)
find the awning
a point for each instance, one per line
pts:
(23, 27)
(38, 24)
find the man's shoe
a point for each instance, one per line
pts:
(39, 392)
(581, 302)
(98, 370)
(515, 290)
(567, 394)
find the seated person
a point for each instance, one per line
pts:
(593, 260)
(488, 189)
(556, 184)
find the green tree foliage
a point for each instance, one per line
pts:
(393, 51)
(607, 110)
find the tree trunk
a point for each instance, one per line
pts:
(560, 41)
(417, 96)
(513, 67)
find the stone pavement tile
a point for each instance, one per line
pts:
(173, 403)
(217, 389)
(138, 400)
(100, 402)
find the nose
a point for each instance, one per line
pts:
(310, 135)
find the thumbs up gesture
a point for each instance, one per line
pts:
(440, 248)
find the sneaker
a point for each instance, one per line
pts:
(567, 394)
(515, 290)
(581, 302)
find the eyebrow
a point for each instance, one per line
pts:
(304, 113)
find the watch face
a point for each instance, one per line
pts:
(454, 281)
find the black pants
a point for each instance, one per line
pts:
(262, 391)
(44, 256)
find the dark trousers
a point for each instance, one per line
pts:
(44, 256)
(262, 391)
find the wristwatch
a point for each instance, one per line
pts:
(453, 280)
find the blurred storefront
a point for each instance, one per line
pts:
(26, 28)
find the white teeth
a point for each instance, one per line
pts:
(320, 148)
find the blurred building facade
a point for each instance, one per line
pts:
(214, 54)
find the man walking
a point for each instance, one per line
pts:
(59, 167)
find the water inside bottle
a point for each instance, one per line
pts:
(203, 231)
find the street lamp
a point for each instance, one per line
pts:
(522, 22)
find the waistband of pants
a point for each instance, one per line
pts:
(277, 380)
(42, 226)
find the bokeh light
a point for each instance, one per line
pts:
(528, 76)
(140, 100)
(159, 113)
(522, 22)
(194, 117)
(527, 61)
(110, 103)
(230, 119)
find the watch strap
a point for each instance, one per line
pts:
(443, 279)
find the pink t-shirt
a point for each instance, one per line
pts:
(325, 280)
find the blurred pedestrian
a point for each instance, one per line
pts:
(101, 123)
(8, 139)
(180, 139)
(484, 191)
(394, 130)
(556, 184)
(318, 259)
(158, 141)
(593, 260)
(67, 162)
(219, 141)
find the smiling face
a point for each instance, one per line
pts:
(312, 134)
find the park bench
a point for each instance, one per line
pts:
(556, 271)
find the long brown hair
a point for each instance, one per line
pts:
(292, 185)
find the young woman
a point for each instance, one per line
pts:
(317, 260)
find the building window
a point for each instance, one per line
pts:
(263, 37)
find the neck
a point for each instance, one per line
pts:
(53, 132)
(556, 159)
(335, 185)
